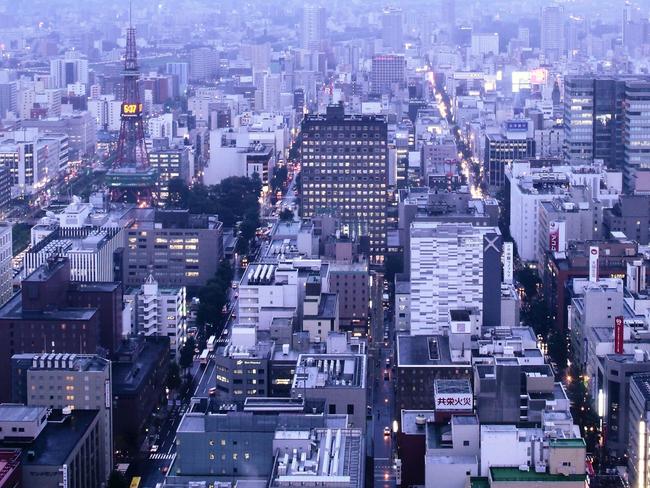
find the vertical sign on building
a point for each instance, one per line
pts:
(554, 237)
(64, 469)
(107, 394)
(557, 236)
(508, 262)
(618, 334)
(593, 263)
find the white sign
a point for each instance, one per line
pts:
(593, 263)
(508, 262)
(64, 468)
(454, 401)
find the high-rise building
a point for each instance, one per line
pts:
(345, 171)
(184, 249)
(515, 141)
(72, 68)
(552, 32)
(203, 63)
(454, 266)
(160, 311)
(8, 98)
(313, 27)
(182, 73)
(636, 119)
(53, 315)
(392, 21)
(388, 71)
(79, 381)
(6, 267)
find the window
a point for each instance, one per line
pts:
(332, 409)
(350, 409)
(465, 443)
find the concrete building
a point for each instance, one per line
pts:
(6, 265)
(64, 447)
(514, 141)
(77, 381)
(421, 360)
(52, 315)
(388, 73)
(218, 441)
(72, 68)
(453, 266)
(203, 64)
(351, 284)
(171, 163)
(338, 379)
(638, 455)
(139, 370)
(326, 180)
(302, 460)
(33, 159)
(392, 27)
(184, 249)
(237, 153)
(441, 206)
(552, 32)
(80, 128)
(160, 311)
(314, 28)
(242, 366)
(631, 216)
(272, 289)
(484, 44)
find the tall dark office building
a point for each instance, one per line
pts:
(604, 120)
(345, 172)
(388, 70)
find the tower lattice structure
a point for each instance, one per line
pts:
(131, 178)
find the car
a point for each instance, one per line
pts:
(235, 285)
(212, 391)
(386, 431)
(154, 448)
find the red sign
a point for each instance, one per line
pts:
(554, 240)
(618, 335)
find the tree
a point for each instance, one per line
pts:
(187, 353)
(173, 376)
(286, 215)
(279, 178)
(117, 480)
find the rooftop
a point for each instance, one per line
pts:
(568, 443)
(58, 439)
(514, 474)
(330, 371)
(423, 351)
(10, 412)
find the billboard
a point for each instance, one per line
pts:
(538, 76)
(619, 326)
(453, 401)
(593, 263)
(508, 262)
(556, 236)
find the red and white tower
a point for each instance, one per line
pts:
(131, 179)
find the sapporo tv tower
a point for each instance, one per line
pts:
(131, 179)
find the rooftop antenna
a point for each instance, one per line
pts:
(130, 7)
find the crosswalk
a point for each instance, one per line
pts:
(384, 474)
(161, 455)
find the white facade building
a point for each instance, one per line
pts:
(446, 272)
(161, 311)
(6, 268)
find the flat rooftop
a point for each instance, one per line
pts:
(516, 475)
(330, 371)
(59, 438)
(10, 412)
(423, 351)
